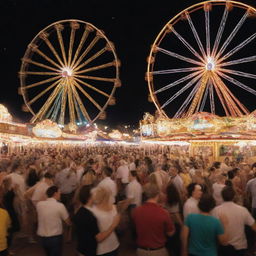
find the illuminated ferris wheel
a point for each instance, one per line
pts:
(69, 74)
(204, 60)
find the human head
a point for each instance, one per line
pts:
(107, 171)
(228, 193)
(85, 194)
(206, 203)
(194, 190)
(53, 191)
(101, 195)
(151, 191)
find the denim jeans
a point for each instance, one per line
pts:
(52, 245)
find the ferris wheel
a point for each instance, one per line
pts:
(203, 59)
(69, 74)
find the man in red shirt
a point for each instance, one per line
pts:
(153, 224)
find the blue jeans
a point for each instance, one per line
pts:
(52, 245)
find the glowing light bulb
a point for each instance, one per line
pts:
(210, 64)
(66, 72)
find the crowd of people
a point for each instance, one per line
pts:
(175, 204)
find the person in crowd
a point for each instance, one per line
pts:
(86, 225)
(173, 206)
(201, 230)
(217, 188)
(153, 224)
(238, 216)
(122, 178)
(51, 214)
(109, 183)
(177, 181)
(5, 224)
(194, 194)
(250, 190)
(105, 213)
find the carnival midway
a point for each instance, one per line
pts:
(200, 140)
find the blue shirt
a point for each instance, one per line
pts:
(203, 232)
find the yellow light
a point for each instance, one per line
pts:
(66, 72)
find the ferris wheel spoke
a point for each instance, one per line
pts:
(234, 81)
(63, 105)
(86, 32)
(220, 96)
(71, 106)
(188, 85)
(92, 87)
(212, 104)
(78, 112)
(199, 93)
(46, 105)
(41, 82)
(220, 31)
(39, 52)
(204, 97)
(80, 103)
(97, 78)
(42, 73)
(195, 33)
(74, 26)
(178, 56)
(39, 64)
(232, 34)
(238, 47)
(43, 92)
(185, 43)
(89, 47)
(238, 73)
(238, 61)
(176, 70)
(233, 103)
(207, 30)
(184, 105)
(88, 96)
(109, 64)
(96, 55)
(181, 80)
(51, 47)
(53, 112)
(59, 28)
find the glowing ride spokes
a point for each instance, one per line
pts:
(211, 68)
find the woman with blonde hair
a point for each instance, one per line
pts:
(105, 213)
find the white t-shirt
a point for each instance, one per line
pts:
(122, 173)
(217, 188)
(238, 216)
(39, 192)
(50, 214)
(190, 206)
(134, 192)
(105, 219)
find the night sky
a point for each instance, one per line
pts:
(131, 25)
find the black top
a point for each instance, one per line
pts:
(86, 228)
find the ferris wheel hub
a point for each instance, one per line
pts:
(210, 64)
(66, 72)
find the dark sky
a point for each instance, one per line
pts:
(131, 25)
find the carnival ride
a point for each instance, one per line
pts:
(197, 62)
(200, 64)
(69, 74)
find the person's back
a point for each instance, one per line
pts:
(153, 224)
(238, 216)
(203, 232)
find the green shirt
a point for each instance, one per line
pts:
(203, 232)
